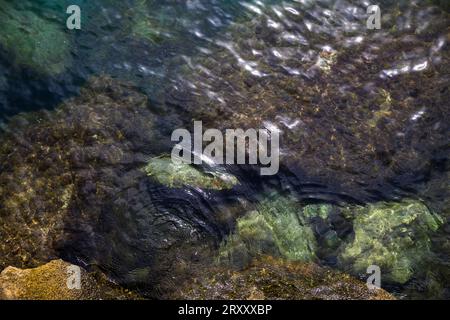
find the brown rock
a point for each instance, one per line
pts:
(50, 282)
(273, 279)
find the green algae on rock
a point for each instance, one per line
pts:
(394, 236)
(34, 41)
(72, 186)
(177, 175)
(270, 278)
(276, 228)
(49, 282)
(317, 210)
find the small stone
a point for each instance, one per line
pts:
(178, 175)
(49, 282)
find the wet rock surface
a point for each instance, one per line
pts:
(276, 228)
(270, 278)
(49, 282)
(398, 237)
(176, 175)
(48, 164)
(394, 236)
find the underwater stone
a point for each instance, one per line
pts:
(394, 236)
(49, 282)
(177, 175)
(276, 228)
(72, 186)
(272, 278)
(34, 42)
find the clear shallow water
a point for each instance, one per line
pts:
(364, 117)
(117, 52)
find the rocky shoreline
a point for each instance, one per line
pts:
(268, 278)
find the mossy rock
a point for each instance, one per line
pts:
(34, 41)
(394, 236)
(276, 228)
(72, 186)
(177, 175)
(50, 282)
(270, 278)
(323, 210)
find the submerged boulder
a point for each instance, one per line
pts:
(49, 161)
(72, 186)
(177, 175)
(271, 278)
(50, 282)
(275, 228)
(33, 40)
(394, 236)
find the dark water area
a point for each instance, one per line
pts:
(363, 117)
(107, 24)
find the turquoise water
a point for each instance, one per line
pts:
(363, 116)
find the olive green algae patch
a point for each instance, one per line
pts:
(178, 175)
(276, 228)
(317, 210)
(395, 236)
(50, 282)
(34, 41)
